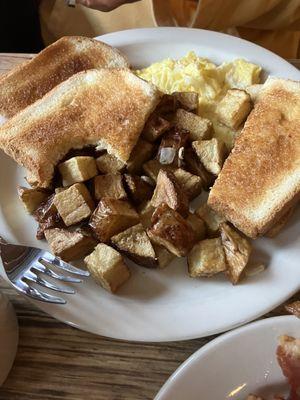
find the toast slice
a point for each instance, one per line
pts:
(260, 180)
(103, 107)
(31, 80)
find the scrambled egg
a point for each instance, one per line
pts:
(195, 74)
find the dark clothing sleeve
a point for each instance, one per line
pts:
(20, 27)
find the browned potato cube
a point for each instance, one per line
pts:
(170, 230)
(168, 191)
(211, 153)
(167, 105)
(294, 308)
(164, 257)
(112, 216)
(169, 152)
(32, 198)
(190, 184)
(141, 153)
(234, 108)
(199, 128)
(47, 216)
(135, 244)
(107, 267)
(207, 258)
(108, 163)
(155, 127)
(211, 218)
(137, 188)
(68, 245)
(146, 211)
(109, 185)
(188, 100)
(74, 204)
(77, 169)
(152, 168)
(194, 165)
(198, 226)
(254, 91)
(237, 251)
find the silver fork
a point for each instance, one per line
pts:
(23, 266)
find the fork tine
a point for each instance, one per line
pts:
(47, 271)
(49, 258)
(38, 295)
(42, 282)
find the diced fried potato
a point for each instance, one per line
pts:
(135, 244)
(74, 204)
(108, 163)
(254, 397)
(155, 127)
(152, 168)
(211, 153)
(188, 100)
(146, 211)
(47, 216)
(107, 267)
(198, 226)
(109, 185)
(190, 184)
(68, 245)
(206, 258)
(169, 152)
(170, 230)
(210, 217)
(279, 225)
(234, 108)
(77, 169)
(138, 189)
(199, 128)
(111, 217)
(59, 189)
(32, 198)
(167, 105)
(254, 91)
(194, 165)
(141, 153)
(170, 192)
(294, 308)
(237, 251)
(164, 257)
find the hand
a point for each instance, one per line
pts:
(104, 5)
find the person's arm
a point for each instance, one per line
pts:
(104, 5)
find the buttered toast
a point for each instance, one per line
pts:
(260, 180)
(31, 80)
(103, 107)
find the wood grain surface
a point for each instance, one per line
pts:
(55, 361)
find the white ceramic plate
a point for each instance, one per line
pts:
(167, 305)
(234, 365)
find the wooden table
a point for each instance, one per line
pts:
(55, 361)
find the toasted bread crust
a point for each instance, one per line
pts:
(106, 107)
(260, 180)
(31, 80)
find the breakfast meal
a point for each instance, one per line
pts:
(114, 157)
(288, 356)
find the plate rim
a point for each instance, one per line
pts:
(185, 30)
(202, 351)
